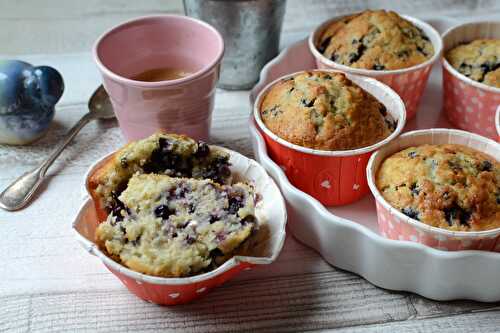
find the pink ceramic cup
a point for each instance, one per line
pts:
(181, 106)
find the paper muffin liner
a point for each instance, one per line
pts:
(468, 104)
(262, 248)
(395, 225)
(332, 177)
(408, 83)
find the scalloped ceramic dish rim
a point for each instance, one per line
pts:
(497, 120)
(455, 72)
(427, 28)
(331, 218)
(334, 153)
(417, 224)
(92, 248)
(157, 84)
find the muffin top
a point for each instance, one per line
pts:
(446, 186)
(479, 60)
(326, 111)
(377, 40)
(161, 153)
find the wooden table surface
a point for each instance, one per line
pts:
(49, 283)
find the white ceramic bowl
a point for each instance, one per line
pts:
(270, 211)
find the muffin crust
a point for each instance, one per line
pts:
(376, 40)
(479, 60)
(446, 186)
(326, 111)
(161, 153)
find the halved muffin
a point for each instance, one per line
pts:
(175, 227)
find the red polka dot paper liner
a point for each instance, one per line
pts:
(393, 224)
(265, 247)
(408, 83)
(332, 177)
(468, 104)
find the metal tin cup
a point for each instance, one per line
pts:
(251, 30)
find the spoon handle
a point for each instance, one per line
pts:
(18, 194)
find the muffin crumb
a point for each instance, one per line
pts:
(174, 227)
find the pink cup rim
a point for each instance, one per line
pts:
(433, 35)
(455, 72)
(370, 174)
(145, 84)
(401, 110)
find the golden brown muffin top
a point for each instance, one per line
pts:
(325, 110)
(446, 186)
(479, 60)
(377, 40)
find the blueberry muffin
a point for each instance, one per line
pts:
(325, 110)
(377, 40)
(446, 186)
(479, 60)
(168, 154)
(175, 227)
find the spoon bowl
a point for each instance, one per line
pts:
(100, 104)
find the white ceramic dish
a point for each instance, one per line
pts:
(497, 123)
(347, 237)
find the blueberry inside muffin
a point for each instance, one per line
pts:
(175, 227)
(325, 110)
(167, 154)
(376, 40)
(479, 60)
(446, 186)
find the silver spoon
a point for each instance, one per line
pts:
(19, 193)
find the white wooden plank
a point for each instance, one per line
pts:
(480, 322)
(293, 303)
(53, 26)
(427, 308)
(285, 304)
